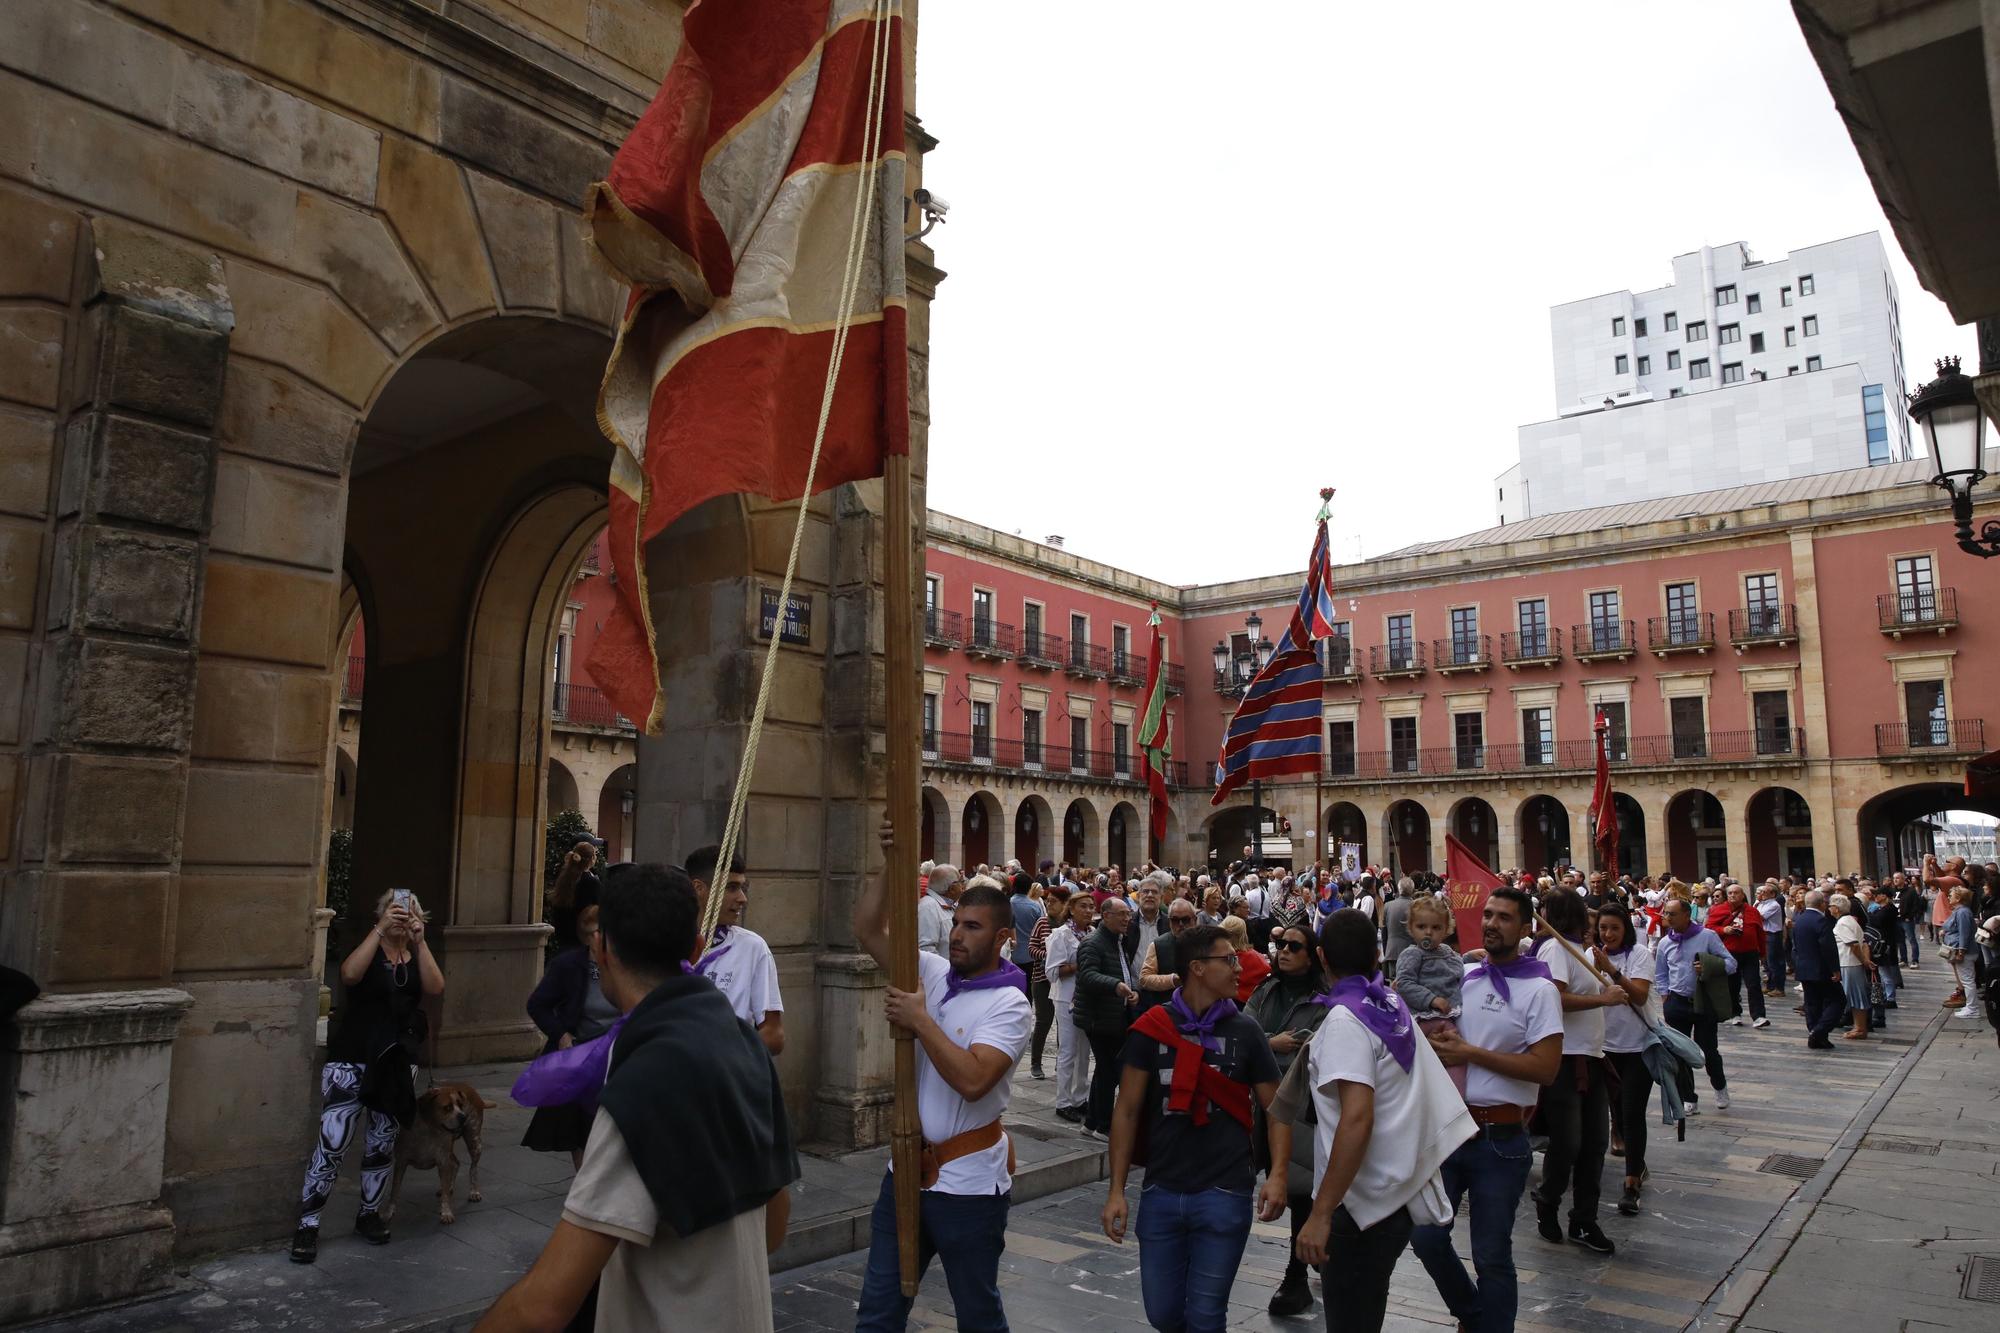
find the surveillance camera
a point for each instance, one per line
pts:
(932, 203)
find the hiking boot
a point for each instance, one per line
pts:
(305, 1245)
(1628, 1203)
(1294, 1295)
(371, 1228)
(1547, 1222)
(1591, 1237)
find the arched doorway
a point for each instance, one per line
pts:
(1408, 828)
(1697, 842)
(1473, 823)
(615, 804)
(561, 788)
(1899, 826)
(936, 822)
(1544, 834)
(1233, 828)
(982, 815)
(1631, 836)
(1079, 832)
(1033, 826)
(1344, 823)
(343, 789)
(1123, 833)
(1780, 835)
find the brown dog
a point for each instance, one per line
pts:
(445, 1114)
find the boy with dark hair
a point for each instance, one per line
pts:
(681, 1196)
(738, 960)
(1190, 1068)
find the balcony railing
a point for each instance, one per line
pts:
(990, 638)
(1533, 648)
(1684, 632)
(1960, 735)
(1386, 660)
(1176, 677)
(1042, 650)
(586, 706)
(1338, 661)
(1577, 755)
(1087, 659)
(351, 680)
(1753, 625)
(1462, 652)
(942, 628)
(1015, 755)
(1127, 667)
(1601, 639)
(1936, 609)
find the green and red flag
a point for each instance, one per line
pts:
(1155, 734)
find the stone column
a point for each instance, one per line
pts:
(1836, 834)
(91, 910)
(1657, 847)
(1736, 832)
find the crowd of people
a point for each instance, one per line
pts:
(1324, 1032)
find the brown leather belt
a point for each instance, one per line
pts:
(935, 1155)
(1497, 1115)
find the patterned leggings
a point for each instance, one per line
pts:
(340, 1111)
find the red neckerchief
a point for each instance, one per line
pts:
(1196, 1084)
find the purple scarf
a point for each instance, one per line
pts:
(575, 1074)
(1201, 1028)
(714, 955)
(1694, 928)
(1497, 973)
(1381, 1011)
(1004, 975)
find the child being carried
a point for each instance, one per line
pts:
(1430, 974)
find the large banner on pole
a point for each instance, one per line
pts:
(1350, 862)
(1469, 881)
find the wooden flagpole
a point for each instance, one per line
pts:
(899, 651)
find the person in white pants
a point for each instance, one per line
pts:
(1073, 1048)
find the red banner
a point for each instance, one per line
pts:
(1469, 881)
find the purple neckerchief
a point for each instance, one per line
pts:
(1694, 928)
(1380, 1010)
(1004, 975)
(714, 955)
(573, 1075)
(1201, 1028)
(1497, 973)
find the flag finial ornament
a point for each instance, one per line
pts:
(1325, 504)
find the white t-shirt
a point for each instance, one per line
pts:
(742, 969)
(1623, 1029)
(934, 926)
(1534, 1013)
(1847, 935)
(1583, 1029)
(1000, 1017)
(1419, 1119)
(1063, 942)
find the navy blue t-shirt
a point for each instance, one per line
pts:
(1181, 1155)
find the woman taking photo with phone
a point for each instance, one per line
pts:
(1286, 1007)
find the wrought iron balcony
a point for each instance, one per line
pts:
(1127, 667)
(1042, 650)
(1603, 640)
(1087, 660)
(1019, 755)
(991, 638)
(1899, 613)
(586, 706)
(1767, 744)
(1754, 626)
(942, 628)
(1390, 662)
(1339, 663)
(1462, 652)
(352, 679)
(1534, 648)
(1176, 678)
(1684, 632)
(1926, 740)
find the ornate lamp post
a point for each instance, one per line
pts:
(1947, 409)
(1233, 674)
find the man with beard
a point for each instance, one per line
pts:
(972, 1020)
(738, 960)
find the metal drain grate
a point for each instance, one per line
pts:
(1982, 1279)
(1784, 1164)
(1924, 1149)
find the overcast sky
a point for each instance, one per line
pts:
(1205, 259)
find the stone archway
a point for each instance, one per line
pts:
(1124, 834)
(1778, 829)
(1897, 827)
(1034, 826)
(1079, 835)
(936, 816)
(981, 830)
(1344, 823)
(616, 802)
(1631, 836)
(1407, 833)
(1543, 827)
(561, 788)
(1233, 828)
(1473, 823)
(1697, 841)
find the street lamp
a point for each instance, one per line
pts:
(1947, 409)
(1233, 674)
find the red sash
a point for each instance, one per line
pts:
(1196, 1083)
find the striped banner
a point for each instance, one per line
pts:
(729, 209)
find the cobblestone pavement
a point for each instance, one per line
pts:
(1710, 1200)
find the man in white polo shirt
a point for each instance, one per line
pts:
(738, 960)
(1509, 1037)
(971, 1020)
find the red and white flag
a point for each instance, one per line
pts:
(730, 209)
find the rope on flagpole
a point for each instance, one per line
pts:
(864, 203)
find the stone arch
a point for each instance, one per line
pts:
(1406, 831)
(1079, 838)
(1124, 836)
(1173, 846)
(936, 826)
(1894, 830)
(981, 830)
(561, 788)
(1034, 830)
(1344, 822)
(1542, 824)
(344, 773)
(1473, 822)
(1231, 829)
(1632, 858)
(1697, 834)
(1778, 835)
(616, 801)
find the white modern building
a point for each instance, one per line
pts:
(1738, 371)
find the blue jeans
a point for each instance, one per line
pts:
(1909, 954)
(1189, 1248)
(967, 1232)
(1774, 960)
(1492, 1167)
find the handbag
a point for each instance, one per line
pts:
(1945, 951)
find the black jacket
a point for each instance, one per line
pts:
(1166, 962)
(1098, 1008)
(1814, 957)
(557, 1004)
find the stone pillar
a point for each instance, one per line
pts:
(1736, 832)
(90, 912)
(1836, 839)
(1657, 851)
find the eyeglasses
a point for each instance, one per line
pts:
(1292, 946)
(1232, 959)
(1178, 921)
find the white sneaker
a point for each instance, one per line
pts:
(1736, 1022)
(1970, 1011)
(1691, 1107)
(1722, 1099)
(1760, 1022)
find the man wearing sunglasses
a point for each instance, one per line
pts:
(1191, 1068)
(1159, 972)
